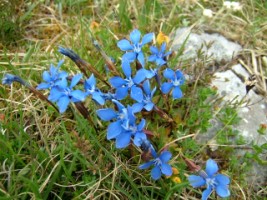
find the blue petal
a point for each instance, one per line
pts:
(154, 50)
(78, 94)
(152, 58)
(156, 173)
(90, 82)
(75, 80)
(63, 103)
(62, 74)
(60, 63)
(140, 76)
(160, 62)
(141, 58)
(177, 92)
(98, 98)
(135, 36)
(139, 138)
(222, 191)
(169, 74)
(62, 83)
(146, 165)
(137, 107)
(129, 56)
(137, 94)
(165, 156)
(114, 129)
(141, 125)
(118, 104)
(55, 94)
(147, 38)
(46, 76)
(179, 74)
(166, 169)
(166, 87)
(53, 70)
(149, 106)
(106, 114)
(196, 181)
(206, 193)
(43, 86)
(146, 87)
(117, 81)
(121, 93)
(222, 179)
(124, 45)
(123, 140)
(163, 47)
(151, 73)
(211, 167)
(126, 69)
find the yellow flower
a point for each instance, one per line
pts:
(176, 179)
(175, 171)
(94, 25)
(161, 37)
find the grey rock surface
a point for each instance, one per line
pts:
(253, 108)
(221, 49)
(252, 113)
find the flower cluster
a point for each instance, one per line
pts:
(126, 101)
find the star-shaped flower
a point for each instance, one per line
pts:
(158, 55)
(123, 85)
(63, 94)
(212, 180)
(92, 90)
(160, 163)
(53, 77)
(176, 80)
(134, 48)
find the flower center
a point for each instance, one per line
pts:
(137, 48)
(157, 162)
(176, 82)
(130, 82)
(211, 182)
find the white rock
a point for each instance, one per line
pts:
(221, 48)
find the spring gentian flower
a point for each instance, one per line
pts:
(212, 180)
(8, 79)
(160, 163)
(144, 100)
(135, 47)
(63, 94)
(91, 89)
(122, 117)
(52, 77)
(158, 56)
(176, 79)
(123, 85)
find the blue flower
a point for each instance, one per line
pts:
(63, 94)
(176, 79)
(212, 180)
(123, 85)
(135, 47)
(160, 164)
(91, 89)
(158, 56)
(144, 100)
(122, 117)
(8, 79)
(53, 77)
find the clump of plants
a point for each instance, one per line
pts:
(130, 99)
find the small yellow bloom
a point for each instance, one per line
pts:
(176, 179)
(161, 37)
(94, 25)
(175, 171)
